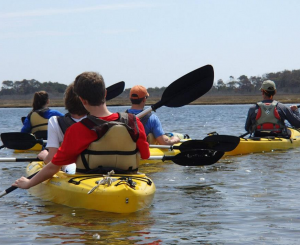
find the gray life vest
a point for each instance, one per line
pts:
(268, 119)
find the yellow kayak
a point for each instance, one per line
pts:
(259, 144)
(36, 147)
(116, 193)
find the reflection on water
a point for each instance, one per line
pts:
(251, 199)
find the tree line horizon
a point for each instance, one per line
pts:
(286, 82)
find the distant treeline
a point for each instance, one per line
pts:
(30, 86)
(286, 82)
(154, 92)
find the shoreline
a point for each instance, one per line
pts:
(204, 100)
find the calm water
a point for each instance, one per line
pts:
(252, 199)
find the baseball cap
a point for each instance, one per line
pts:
(268, 85)
(138, 92)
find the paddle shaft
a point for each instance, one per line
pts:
(12, 188)
(163, 158)
(170, 147)
(243, 135)
(192, 144)
(12, 159)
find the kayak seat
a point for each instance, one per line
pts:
(272, 134)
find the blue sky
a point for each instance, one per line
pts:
(151, 43)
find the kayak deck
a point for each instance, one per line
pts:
(266, 144)
(126, 194)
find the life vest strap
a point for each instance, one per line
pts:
(85, 163)
(125, 153)
(101, 126)
(65, 122)
(43, 124)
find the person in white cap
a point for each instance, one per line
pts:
(267, 117)
(152, 124)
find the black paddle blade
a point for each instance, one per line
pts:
(41, 134)
(201, 144)
(187, 88)
(115, 90)
(196, 157)
(223, 142)
(18, 140)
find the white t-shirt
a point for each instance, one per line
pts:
(55, 135)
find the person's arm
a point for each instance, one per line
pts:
(50, 113)
(26, 126)
(46, 173)
(165, 140)
(142, 143)
(47, 156)
(248, 123)
(292, 116)
(158, 132)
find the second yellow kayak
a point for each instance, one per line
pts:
(266, 144)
